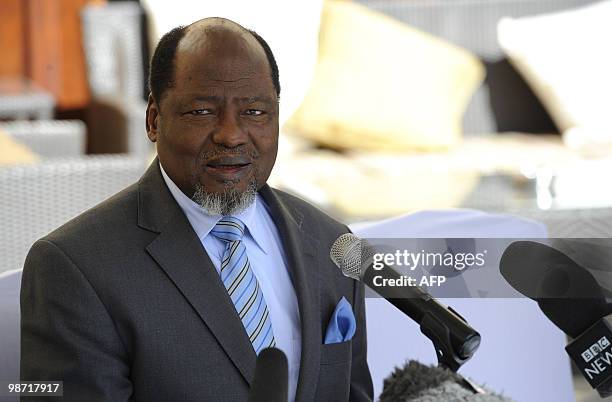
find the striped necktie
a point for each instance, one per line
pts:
(242, 285)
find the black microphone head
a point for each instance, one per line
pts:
(567, 293)
(270, 383)
(539, 271)
(574, 316)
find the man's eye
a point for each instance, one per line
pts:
(200, 112)
(254, 112)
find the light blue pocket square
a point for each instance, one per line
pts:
(342, 325)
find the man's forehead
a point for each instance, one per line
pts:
(220, 96)
(221, 92)
(223, 72)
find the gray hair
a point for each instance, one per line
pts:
(228, 202)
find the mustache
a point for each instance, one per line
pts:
(221, 151)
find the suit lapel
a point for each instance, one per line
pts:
(179, 252)
(301, 248)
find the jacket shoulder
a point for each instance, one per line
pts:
(110, 216)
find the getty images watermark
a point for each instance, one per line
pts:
(474, 267)
(409, 260)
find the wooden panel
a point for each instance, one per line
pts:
(55, 54)
(12, 16)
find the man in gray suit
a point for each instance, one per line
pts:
(167, 290)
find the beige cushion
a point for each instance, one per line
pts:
(565, 57)
(14, 153)
(382, 85)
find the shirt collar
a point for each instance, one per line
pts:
(203, 222)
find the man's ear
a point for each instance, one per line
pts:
(152, 119)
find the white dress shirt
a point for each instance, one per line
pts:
(268, 262)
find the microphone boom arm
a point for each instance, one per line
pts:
(455, 342)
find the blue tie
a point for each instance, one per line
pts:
(242, 285)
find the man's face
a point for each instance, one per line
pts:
(217, 128)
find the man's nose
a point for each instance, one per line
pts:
(229, 132)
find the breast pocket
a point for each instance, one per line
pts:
(335, 372)
(333, 353)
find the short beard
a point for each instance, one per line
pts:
(229, 202)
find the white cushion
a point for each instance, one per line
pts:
(566, 59)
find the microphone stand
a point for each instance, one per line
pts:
(448, 357)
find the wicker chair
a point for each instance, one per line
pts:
(20, 98)
(35, 199)
(49, 138)
(111, 40)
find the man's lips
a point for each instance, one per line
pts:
(228, 167)
(229, 161)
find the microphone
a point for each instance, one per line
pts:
(416, 382)
(270, 383)
(454, 340)
(572, 299)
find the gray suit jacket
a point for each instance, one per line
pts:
(123, 302)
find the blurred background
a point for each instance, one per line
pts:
(388, 107)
